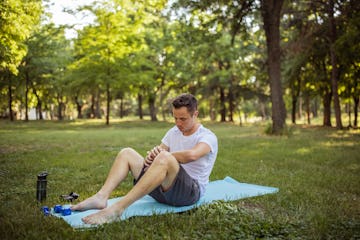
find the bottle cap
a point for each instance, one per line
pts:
(58, 208)
(66, 211)
(45, 210)
(42, 175)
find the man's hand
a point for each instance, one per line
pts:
(151, 155)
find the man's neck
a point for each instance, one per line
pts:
(193, 130)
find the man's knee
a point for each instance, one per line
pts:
(130, 155)
(126, 151)
(165, 158)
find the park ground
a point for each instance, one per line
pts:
(316, 170)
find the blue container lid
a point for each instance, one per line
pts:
(66, 211)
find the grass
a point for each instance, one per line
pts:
(316, 169)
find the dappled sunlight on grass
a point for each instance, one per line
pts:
(332, 144)
(304, 151)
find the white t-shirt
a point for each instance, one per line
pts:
(199, 169)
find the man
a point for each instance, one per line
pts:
(176, 172)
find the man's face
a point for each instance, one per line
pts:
(184, 121)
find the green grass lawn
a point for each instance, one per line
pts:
(316, 169)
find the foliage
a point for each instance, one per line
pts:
(42, 69)
(17, 20)
(137, 55)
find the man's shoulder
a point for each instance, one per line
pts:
(173, 131)
(206, 130)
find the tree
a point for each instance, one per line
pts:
(43, 67)
(321, 51)
(104, 46)
(25, 15)
(348, 52)
(271, 12)
(234, 14)
(334, 62)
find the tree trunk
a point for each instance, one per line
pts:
(231, 102)
(92, 106)
(212, 109)
(39, 109)
(295, 94)
(152, 107)
(78, 107)
(307, 104)
(122, 107)
(27, 80)
(356, 106)
(271, 13)
(222, 105)
(300, 112)
(140, 109)
(60, 108)
(39, 104)
(327, 108)
(293, 108)
(348, 110)
(108, 99)
(315, 108)
(10, 97)
(334, 70)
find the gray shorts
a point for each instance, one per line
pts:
(185, 190)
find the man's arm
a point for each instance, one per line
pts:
(193, 154)
(185, 156)
(150, 156)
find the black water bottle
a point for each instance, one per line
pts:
(41, 186)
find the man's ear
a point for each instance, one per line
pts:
(196, 113)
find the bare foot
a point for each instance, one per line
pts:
(95, 202)
(106, 215)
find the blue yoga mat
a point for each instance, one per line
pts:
(227, 189)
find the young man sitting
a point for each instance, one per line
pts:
(175, 172)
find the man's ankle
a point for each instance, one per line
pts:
(102, 195)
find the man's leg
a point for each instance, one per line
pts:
(127, 160)
(162, 171)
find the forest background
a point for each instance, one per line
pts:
(242, 59)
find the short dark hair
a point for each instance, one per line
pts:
(185, 100)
